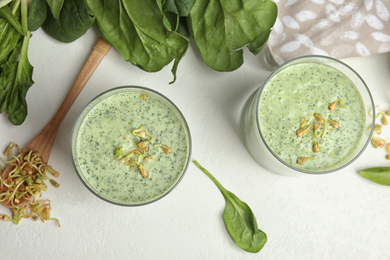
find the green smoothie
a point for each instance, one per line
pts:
(291, 100)
(108, 123)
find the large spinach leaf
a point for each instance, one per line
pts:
(239, 219)
(221, 27)
(74, 20)
(136, 28)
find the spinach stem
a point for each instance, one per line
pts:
(23, 55)
(24, 17)
(223, 190)
(16, 6)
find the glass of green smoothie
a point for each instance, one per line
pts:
(130, 146)
(312, 115)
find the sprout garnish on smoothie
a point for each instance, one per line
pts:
(139, 152)
(320, 128)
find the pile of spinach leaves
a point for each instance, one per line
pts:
(15, 69)
(149, 34)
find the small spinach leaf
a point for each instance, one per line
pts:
(380, 175)
(73, 22)
(37, 14)
(55, 7)
(239, 219)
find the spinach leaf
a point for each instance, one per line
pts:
(9, 38)
(170, 20)
(55, 7)
(174, 10)
(7, 14)
(182, 27)
(37, 14)
(259, 43)
(136, 28)
(74, 20)
(239, 219)
(179, 7)
(15, 80)
(221, 27)
(4, 2)
(380, 175)
(16, 71)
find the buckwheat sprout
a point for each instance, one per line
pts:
(319, 118)
(332, 105)
(316, 147)
(303, 160)
(384, 118)
(141, 153)
(302, 122)
(301, 131)
(378, 142)
(24, 183)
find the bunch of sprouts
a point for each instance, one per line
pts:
(25, 184)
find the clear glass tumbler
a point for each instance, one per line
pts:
(273, 151)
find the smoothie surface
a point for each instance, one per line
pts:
(105, 127)
(299, 91)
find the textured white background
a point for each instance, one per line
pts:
(335, 216)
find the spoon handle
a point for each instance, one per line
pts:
(44, 141)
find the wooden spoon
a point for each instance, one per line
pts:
(44, 141)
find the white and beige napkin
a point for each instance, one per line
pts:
(335, 28)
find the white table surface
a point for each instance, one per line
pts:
(335, 216)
